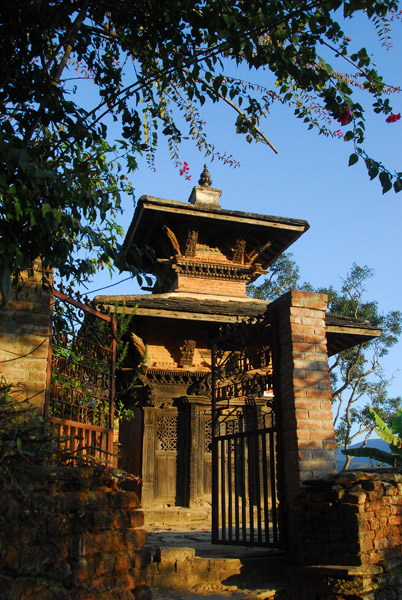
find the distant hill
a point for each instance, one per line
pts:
(361, 463)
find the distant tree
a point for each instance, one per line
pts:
(148, 68)
(282, 276)
(357, 376)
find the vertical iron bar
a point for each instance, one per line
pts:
(215, 450)
(257, 463)
(251, 484)
(230, 491)
(237, 487)
(243, 479)
(223, 490)
(265, 485)
(273, 486)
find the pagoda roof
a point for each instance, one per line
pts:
(152, 214)
(342, 332)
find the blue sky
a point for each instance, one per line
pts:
(350, 220)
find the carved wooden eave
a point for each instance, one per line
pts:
(174, 229)
(342, 332)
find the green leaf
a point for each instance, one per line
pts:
(398, 185)
(353, 158)
(385, 181)
(383, 431)
(349, 135)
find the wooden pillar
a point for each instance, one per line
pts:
(194, 443)
(148, 457)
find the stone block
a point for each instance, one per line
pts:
(121, 499)
(135, 518)
(136, 538)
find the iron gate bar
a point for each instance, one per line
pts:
(244, 455)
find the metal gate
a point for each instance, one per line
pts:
(244, 462)
(80, 391)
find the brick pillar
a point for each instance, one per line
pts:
(25, 330)
(303, 385)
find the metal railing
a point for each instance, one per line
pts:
(81, 379)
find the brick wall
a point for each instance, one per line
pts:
(210, 285)
(304, 389)
(68, 535)
(25, 329)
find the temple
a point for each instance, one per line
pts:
(202, 258)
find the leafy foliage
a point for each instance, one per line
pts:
(72, 69)
(357, 377)
(393, 437)
(23, 435)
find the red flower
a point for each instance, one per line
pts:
(185, 169)
(393, 118)
(344, 116)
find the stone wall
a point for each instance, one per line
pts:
(350, 537)
(353, 518)
(65, 533)
(25, 329)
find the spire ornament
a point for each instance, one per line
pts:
(203, 195)
(205, 178)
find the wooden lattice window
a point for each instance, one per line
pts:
(166, 432)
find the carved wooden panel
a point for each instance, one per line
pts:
(208, 435)
(191, 243)
(166, 426)
(187, 353)
(238, 251)
(165, 477)
(166, 433)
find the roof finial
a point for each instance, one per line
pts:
(205, 179)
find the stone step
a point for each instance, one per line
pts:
(179, 570)
(177, 516)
